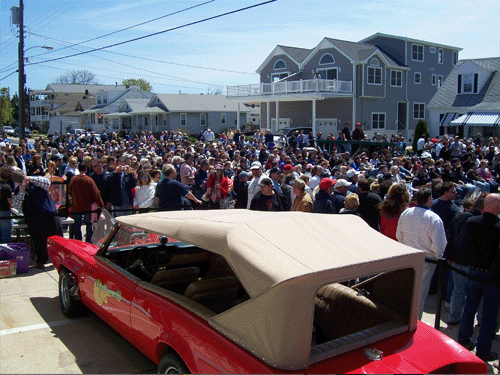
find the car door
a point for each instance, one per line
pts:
(109, 290)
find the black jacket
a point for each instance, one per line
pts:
(323, 203)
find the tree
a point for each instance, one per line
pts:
(15, 107)
(421, 129)
(80, 77)
(6, 109)
(141, 83)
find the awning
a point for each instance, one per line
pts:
(478, 119)
(461, 120)
(449, 117)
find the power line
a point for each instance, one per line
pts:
(15, 71)
(157, 33)
(130, 27)
(144, 58)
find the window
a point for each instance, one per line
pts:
(467, 83)
(105, 100)
(378, 120)
(455, 58)
(439, 81)
(183, 119)
(417, 78)
(223, 118)
(433, 81)
(203, 119)
(396, 78)
(417, 52)
(327, 58)
(440, 56)
(328, 73)
(418, 111)
(99, 101)
(374, 72)
(278, 76)
(280, 64)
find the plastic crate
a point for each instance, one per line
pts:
(19, 252)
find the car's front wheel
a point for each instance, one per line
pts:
(70, 306)
(172, 364)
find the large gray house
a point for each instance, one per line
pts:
(383, 82)
(469, 100)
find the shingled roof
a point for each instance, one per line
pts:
(488, 99)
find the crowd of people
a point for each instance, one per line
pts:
(441, 198)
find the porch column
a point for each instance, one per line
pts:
(238, 117)
(314, 116)
(277, 117)
(268, 118)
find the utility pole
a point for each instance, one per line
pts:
(22, 103)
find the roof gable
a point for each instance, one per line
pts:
(298, 55)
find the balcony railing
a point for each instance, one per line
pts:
(292, 87)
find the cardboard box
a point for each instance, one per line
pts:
(8, 268)
(19, 252)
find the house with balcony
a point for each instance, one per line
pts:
(384, 82)
(188, 113)
(469, 100)
(41, 104)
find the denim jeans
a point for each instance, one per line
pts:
(458, 294)
(77, 226)
(429, 269)
(474, 290)
(5, 227)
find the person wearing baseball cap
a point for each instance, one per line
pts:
(254, 184)
(338, 196)
(303, 201)
(267, 199)
(323, 204)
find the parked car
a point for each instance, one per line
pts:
(288, 133)
(9, 130)
(27, 132)
(234, 291)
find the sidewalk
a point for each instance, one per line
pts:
(35, 337)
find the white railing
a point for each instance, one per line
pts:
(292, 87)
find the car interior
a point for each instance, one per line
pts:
(348, 316)
(184, 269)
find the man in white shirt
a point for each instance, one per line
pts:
(208, 136)
(315, 179)
(423, 229)
(254, 184)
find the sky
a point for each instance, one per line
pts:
(224, 51)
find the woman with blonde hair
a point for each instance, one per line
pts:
(351, 204)
(145, 193)
(391, 207)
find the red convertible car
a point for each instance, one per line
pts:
(238, 291)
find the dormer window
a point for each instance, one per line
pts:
(468, 83)
(327, 58)
(280, 64)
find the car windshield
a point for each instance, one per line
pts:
(130, 236)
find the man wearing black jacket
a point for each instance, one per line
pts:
(483, 239)
(456, 254)
(368, 203)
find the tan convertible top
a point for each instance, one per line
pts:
(282, 259)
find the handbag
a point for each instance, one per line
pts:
(227, 203)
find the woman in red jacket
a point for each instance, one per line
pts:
(217, 186)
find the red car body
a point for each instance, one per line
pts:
(145, 316)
